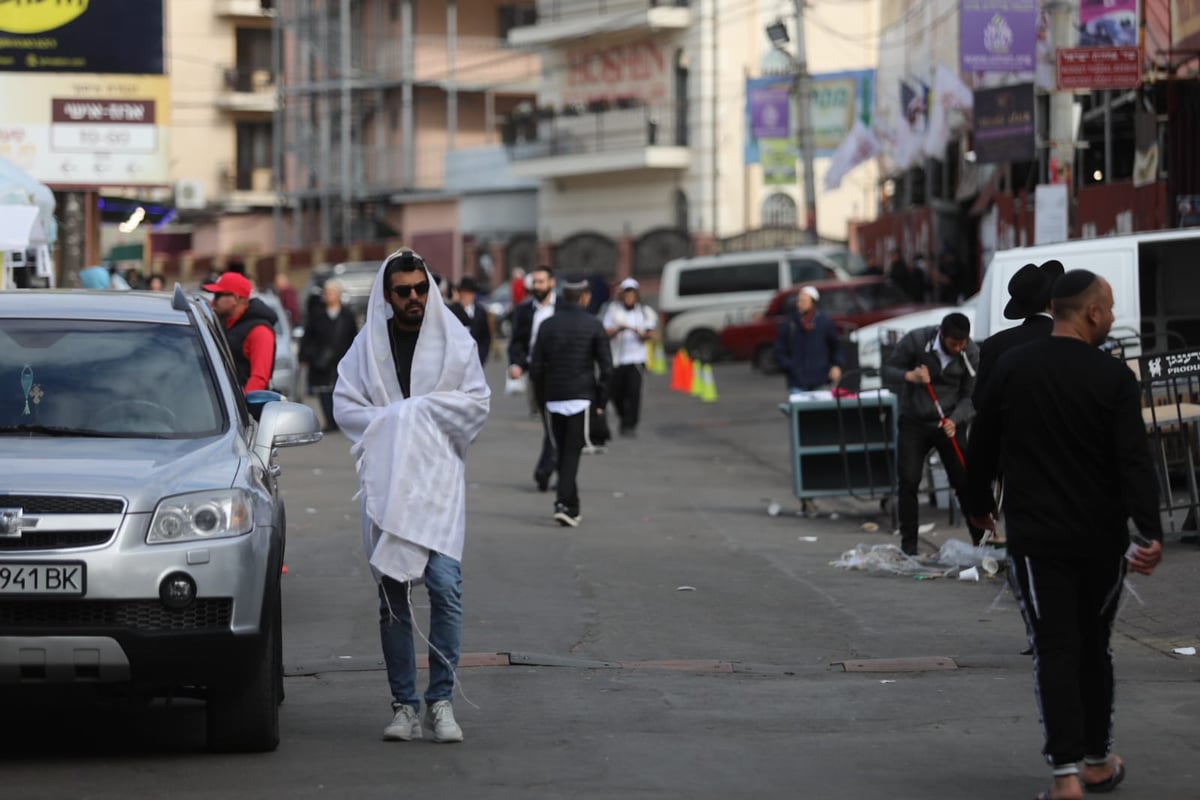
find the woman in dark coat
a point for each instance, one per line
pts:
(328, 334)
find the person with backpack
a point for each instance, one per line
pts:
(807, 347)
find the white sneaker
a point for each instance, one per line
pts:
(440, 719)
(404, 727)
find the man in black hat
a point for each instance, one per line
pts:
(472, 314)
(1029, 299)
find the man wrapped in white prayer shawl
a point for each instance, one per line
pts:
(411, 396)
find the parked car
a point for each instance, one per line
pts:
(142, 530)
(699, 296)
(499, 304)
(358, 278)
(850, 304)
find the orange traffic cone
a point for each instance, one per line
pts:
(681, 372)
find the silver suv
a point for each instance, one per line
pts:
(141, 528)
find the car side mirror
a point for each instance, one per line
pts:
(284, 424)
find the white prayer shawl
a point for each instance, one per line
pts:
(410, 454)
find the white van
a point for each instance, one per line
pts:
(1156, 292)
(1155, 279)
(699, 296)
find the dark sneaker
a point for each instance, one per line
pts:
(542, 481)
(565, 517)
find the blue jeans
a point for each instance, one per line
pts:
(443, 581)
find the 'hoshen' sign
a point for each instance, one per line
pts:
(629, 70)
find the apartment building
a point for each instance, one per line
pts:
(223, 103)
(639, 133)
(388, 128)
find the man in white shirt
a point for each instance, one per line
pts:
(527, 320)
(629, 325)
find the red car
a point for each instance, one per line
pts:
(850, 304)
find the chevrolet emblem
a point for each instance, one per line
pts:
(11, 522)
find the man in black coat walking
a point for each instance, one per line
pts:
(571, 369)
(472, 314)
(1063, 421)
(1029, 299)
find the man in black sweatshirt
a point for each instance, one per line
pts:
(571, 368)
(942, 357)
(1062, 420)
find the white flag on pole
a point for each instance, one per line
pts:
(861, 144)
(949, 92)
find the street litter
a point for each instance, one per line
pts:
(685, 588)
(833, 515)
(884, 559)
(1185, 651)
(773, 509)
(958, 553)
(887, 680)
(870, 527)
(310, 510)
(807, 538)
(956, 558)
(618, 494)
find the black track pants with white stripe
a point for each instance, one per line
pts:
(1069, 606)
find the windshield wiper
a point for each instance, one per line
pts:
(55, 430)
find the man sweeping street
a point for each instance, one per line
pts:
(933, 369)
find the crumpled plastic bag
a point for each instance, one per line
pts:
(515, 385)
(884, 559)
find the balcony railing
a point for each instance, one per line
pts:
(571, 10)
(249, 79)
(576, 131)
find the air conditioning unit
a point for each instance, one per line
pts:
(190, 195)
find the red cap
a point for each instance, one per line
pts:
(231, 283)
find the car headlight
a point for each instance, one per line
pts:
(201, 515)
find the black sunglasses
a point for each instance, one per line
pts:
(403, 292)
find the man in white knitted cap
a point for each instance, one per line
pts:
(410, 397)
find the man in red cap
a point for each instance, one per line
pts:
(249, 327)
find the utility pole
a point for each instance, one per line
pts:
(803, 89)
(1062, 103)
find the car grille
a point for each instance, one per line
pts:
(70, 512)
(50, 504)
(140, 615)
(55, 540)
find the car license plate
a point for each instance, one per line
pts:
(58, 579)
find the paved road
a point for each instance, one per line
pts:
(590, 672)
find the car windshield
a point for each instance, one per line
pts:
(104, 378)
(853, 263)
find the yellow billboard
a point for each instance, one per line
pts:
(82, 130)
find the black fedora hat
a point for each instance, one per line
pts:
(1029, 291)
